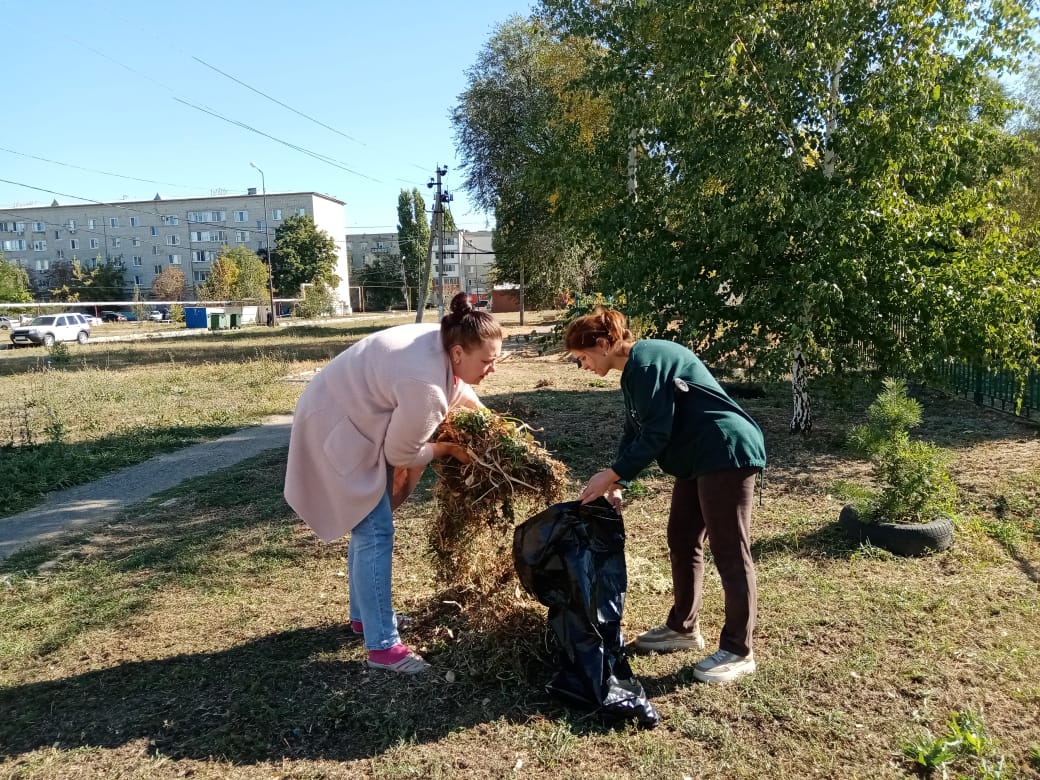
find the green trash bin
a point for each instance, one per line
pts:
(235, 319)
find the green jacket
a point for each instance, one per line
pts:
(677, 414)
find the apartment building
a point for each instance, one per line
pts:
(364, 248)
(465, 256)
(149, 236)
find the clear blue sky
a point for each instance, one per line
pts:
(97, 85)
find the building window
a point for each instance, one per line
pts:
(301, 212)
(276, 215)
(134, 222)
(155, 231)
(199, 276)
(173, 240)
(209, 235)
(93, 243)
(116, 241)
(137, 260)
(155, 249)
(18, 245)
(38, 227)
(158, 269)
(261, 225)
(71, 225)
(241, 216)
(61, 254)
(137, 280)
(57, 235)
(43, 265)
(207, 216)
(113, 221)
(241, 236)
(135, 241)
(73, 243)
(91, 224)
(203, 256)
(175, 259)
(171, 219)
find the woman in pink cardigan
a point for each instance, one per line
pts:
(361, 440)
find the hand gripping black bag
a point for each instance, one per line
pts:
(572, 559)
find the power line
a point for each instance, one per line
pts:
(104, 173)
(275, 100)
(308, 152)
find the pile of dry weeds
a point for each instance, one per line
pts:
(510, 477)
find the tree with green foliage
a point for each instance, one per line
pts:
(380, 283)
(103, 281)
(14, 283)
(522, 121)
(816, 177)
(1026, 187)
(413, 238)
(238, 274)
(318, 300)
(303, 254)
(221, 281)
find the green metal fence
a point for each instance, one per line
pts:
(996, 389)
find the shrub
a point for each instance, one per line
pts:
(914, 485)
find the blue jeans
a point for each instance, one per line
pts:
(369, 559)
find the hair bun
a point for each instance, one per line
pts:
(460, 305)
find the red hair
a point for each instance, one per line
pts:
(600, 323)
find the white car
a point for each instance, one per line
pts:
(156, 316)
(48, 329)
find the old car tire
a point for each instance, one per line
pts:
(81, 337)
(48, 340)
(899, 538)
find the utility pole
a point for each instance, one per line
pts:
(438, 218)
(272, 315)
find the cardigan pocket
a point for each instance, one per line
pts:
(347, 448)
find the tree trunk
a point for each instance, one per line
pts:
(801, 421)
(427, 275)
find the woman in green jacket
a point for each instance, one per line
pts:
(677, 414)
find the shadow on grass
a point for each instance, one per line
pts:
(282, 695)
(299, 693)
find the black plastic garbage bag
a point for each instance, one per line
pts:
(572, 559)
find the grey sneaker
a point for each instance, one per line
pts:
(723, 666)
(663, 640)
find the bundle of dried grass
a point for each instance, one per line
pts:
(478, 503)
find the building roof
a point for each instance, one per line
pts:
(157, 198)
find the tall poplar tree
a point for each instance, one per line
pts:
(413, 238)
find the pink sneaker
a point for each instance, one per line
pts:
(398, 658)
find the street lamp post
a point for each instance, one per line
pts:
(272, 318)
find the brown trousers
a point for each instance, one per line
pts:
(716, 507)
